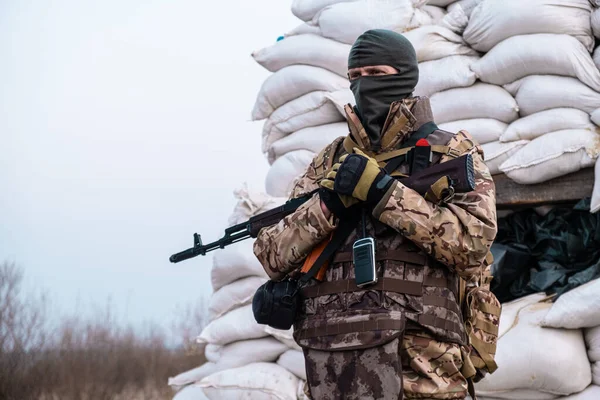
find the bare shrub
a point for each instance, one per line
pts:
(23, 338)
(87, 358)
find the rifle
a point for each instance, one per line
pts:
(459, 171)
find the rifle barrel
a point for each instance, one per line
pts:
(203, 249)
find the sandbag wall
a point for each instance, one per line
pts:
(521, 76)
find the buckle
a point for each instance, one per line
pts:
(450, 194)
(453, 152)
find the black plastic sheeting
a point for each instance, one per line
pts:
(553, 253)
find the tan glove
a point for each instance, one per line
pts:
(359, 176)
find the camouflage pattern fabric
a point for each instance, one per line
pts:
(304, 229)
(458, 234)
(454, 239)
(429, 370)
(355, 374)
(483, 321)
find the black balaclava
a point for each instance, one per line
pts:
(375, 94)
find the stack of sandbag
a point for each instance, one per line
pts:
(537, 362)
(580, 309)
(540, 52)
(343, 20)
(243, 357)
(302, 101)
(458, 100)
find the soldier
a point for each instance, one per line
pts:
(404, 336)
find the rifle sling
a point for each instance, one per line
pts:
(339, 236)
(421, 133)
(347, 226)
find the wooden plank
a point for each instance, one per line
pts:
(564, 189)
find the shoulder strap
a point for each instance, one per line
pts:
(339, 236)
(421, 133)
(424, 130)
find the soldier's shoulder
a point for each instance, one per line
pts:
(316, 170)
(326, 157)
(464, 142)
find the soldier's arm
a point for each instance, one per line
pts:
(458, 234)
(283, 247)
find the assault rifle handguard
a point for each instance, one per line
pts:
(459, 171)
(243, 230)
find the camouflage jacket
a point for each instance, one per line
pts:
(457, 234)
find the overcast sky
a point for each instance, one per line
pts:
(124, 128)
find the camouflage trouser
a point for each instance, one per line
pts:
(429, 370)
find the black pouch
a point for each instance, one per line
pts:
(276, 304)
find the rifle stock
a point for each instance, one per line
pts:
(459, 170)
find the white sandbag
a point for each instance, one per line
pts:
(595, 116)
(191, 393)
(282, 174)
(511, 310)
(291, 82)
(300, 392)
(236, 294)
(307, 9)
(523, 358)
(251, 203)
(313, 138)
(346, 21)
(592, 342)
(481, 100)
(493, 21)
(496, 153)
(256, 381)
(305, 49)
(456, 20)
(311, 109)
(466, 5)
(483, 130)
(537, 93)
(535, 125)
(595, 21)
(440, 3)
(293, 361)
(520, 395)
(445, 73)
(596, 57)
(434, 42)
(595, 203)
(241, 353)
(540, 54)
(552, 155)
(193, 375)
(284, 337)
(212, 352)
(234, 326)
(437, 14)
(577, 308)
(303, 29)
(596, 378)
(235, 262)
(340, 98)
(592, 392)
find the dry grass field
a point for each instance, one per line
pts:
(82, 358)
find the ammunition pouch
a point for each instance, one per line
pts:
(276, 304)
(481, 310)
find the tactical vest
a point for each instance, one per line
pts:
(413, 291)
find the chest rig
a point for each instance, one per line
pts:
(413, 291)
